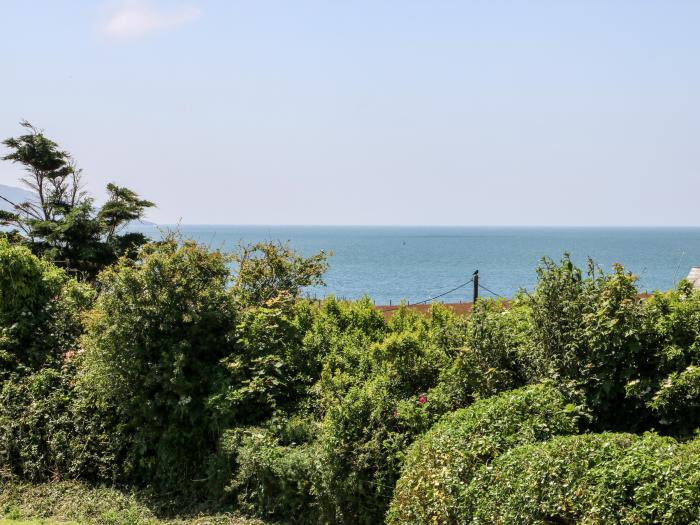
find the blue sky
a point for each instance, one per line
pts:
(369, 112)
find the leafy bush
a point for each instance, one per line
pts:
(361, 448)
(375, 400)
(677, 402)
(266, 270)
(270, 370)
(589, 330)
(49, 432)
(594, 478)
(154, 341)
(486, 361)
(196, 379)
(666, 382)
(273, 478)
(635, 358)
(440, 465)
(40, 308)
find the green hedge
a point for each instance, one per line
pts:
(440, 465)
(591, 479)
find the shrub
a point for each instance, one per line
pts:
(594, 478)
(487, 361)
(440, 465)
(42, 429)
(590, 330)
(667, 382)
(340, 335)
(266, 270)
(40, 308)
(49, 432)
(270, 370)
(273, 479)
(154, 343)
(677, 402)
(360, 450)
(375, 401)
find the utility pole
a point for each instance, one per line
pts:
(475, 279)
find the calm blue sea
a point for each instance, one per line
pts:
(415, 263)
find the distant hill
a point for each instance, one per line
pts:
(14, 194)
(18, 195)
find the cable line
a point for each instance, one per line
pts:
(433, 298)
(492, 292)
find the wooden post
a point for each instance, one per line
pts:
(475, 278)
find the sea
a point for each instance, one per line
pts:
(419, 263)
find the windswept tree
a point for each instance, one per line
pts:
(62, 223)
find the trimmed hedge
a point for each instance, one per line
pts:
(591, 479)
(440, 465)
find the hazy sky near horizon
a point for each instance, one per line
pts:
(368, 112)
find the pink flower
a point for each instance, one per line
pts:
(68, 356)
(422, 399)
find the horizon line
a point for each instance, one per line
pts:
(310, 225)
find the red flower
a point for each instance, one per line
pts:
(422, 399)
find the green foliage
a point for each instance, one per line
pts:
(62, 224)
(270, 369)
(589, 330)
(26, 282)
(266, 270)
(361, 447)
(677, 402)
(49, 432)
(486, 360)
(375, 400)
(206, 379)
(40, 310)
(45, 429)
(273, 478)
(666, 378)
(595, 478)
(122, 206)
(623, 351)
(154, 341)
(441, 464)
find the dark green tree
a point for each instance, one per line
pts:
(61, 223)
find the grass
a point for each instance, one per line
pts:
(74, 503)
(4, 521)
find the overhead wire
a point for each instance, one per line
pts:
(433, 298)
(492, 292)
